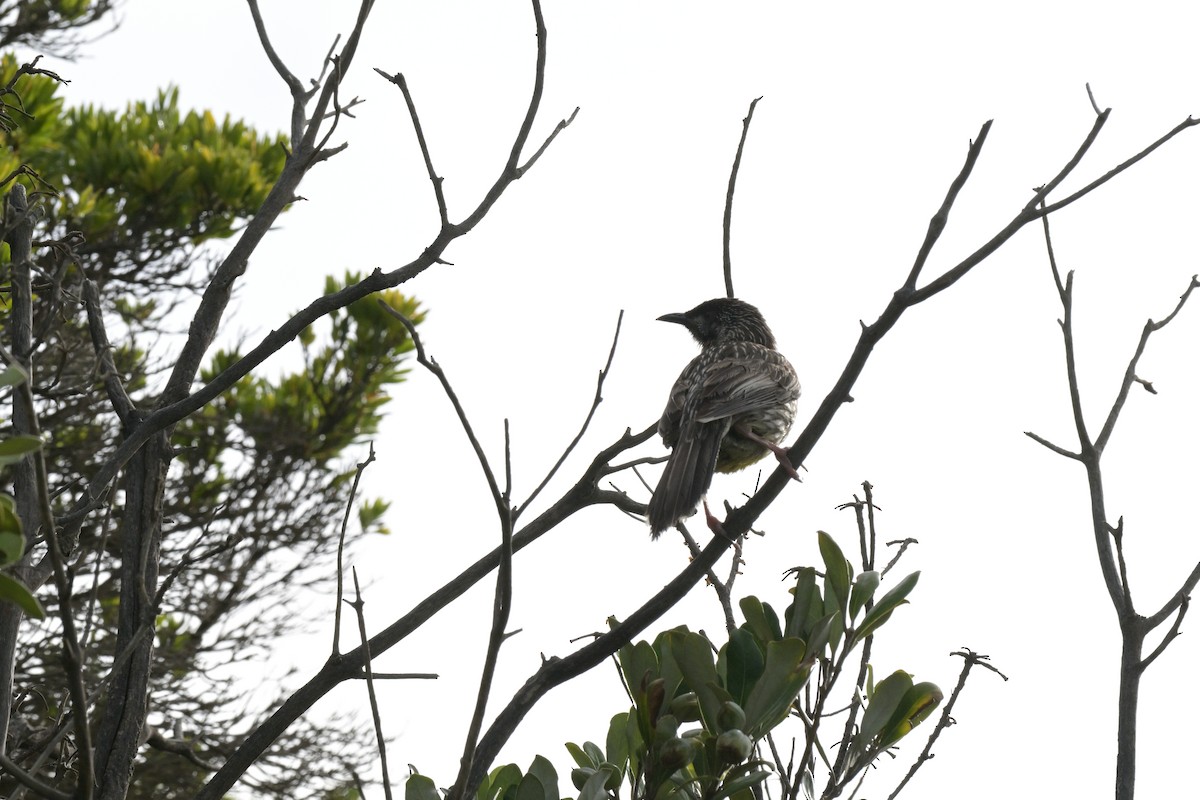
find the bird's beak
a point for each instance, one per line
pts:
(679, 319)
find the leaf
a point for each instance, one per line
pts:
(14, 591)
(800, 613)
(785, 672)
(731, 787)
(886, 605)
(532, 788)
(617, 744)
(14, 448)
(13, 375)
(864, 589)
(882, 705)
(761, 619)
(743, 664)
(693, 654)
(582, 759)
(544, 771)
(917, 704)
(12, 546)
(820, 635)
(498, 782)
(837, 568)
(594, 788)
(420, 787)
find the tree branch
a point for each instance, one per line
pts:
(728, 221)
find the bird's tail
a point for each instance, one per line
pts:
(688, 474)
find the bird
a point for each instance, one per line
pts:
(731, 405)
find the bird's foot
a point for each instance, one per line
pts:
(714, 524)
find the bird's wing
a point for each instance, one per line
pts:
(746, 378)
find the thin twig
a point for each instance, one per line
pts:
(337, 614)
(398, 79)
(596, 400)
(726, 260)
(380, 741)
(1170, 635)
(970, 659)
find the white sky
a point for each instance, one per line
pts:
(867, 112)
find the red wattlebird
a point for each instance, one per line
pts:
(729, 407)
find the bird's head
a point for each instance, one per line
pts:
(724, 319)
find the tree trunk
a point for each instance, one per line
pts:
(1132, 637)
(124, 715)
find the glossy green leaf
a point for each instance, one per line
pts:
(14, 448)
(12, 546)
(796, 616)
(819, 637)
(918, 703)
(617, 744)
(761, 619)
(594, 788)
(420, 787)
(743, 664)
(582, 759)
(784, 675)
(881, 705)
(837, 568)
(693, 655)
(883, 609)
(13, 375)
(743, 782)
(864, 589)
(544, 771)
(532, 788)
(498, 782)
(13, 591)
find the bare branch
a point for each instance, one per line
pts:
(380, 741)
(970, 659)
(1062, 451)
(337, 613)
(596, 400)
(1131, 371)
(398, 79)
(437, 371)
(1170, 635)
(728, 223)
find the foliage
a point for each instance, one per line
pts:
(737, 700)
(129, 200)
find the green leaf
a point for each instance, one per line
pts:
(12, 546)
(617, 744)
(420, 787)
(544, 771)
(864, 589)
(582, 759)
(498, 782)
(743, 664)
(14, 448)
(594, 788)
(880, 612)
(800, 614)
(14, 591)
(761, 619)
(13, 375)
(837, 568)
(532, 788)
(693, 654)
(731, 787)
(917, 704)
(882, 705)
(820, 635)
(785, 672)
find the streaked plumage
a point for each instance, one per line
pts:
(733, 399)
